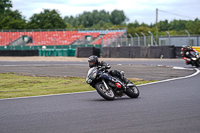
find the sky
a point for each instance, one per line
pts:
(143, 11)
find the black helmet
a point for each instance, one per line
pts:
(93, 61)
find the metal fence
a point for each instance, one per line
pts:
(150, 41)
(180, 40)
(125, 41)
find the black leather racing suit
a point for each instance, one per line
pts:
(113, 72)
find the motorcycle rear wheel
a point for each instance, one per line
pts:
(197, 64)
(106, 94)
(133, 92)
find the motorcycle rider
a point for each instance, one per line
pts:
(94, 62)
(186, 53)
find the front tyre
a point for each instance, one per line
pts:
(106, 94)
(132, 92)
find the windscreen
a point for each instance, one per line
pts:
(91, 70)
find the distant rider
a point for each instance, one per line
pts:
(187, 53)
(93, 62)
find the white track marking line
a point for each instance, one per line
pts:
(166, 80)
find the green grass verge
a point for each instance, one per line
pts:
(13, 85)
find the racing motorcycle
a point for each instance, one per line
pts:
(109, 87)
(194, 58)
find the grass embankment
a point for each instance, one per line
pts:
(13, 85)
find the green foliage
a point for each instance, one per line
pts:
(118, 17)
(193, 26)
(4, 5)
(98, 19)
(138, 30)
(49, 19)
(12, 20)
(133, 25)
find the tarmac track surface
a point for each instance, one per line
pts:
(171, 106)
(143, 69)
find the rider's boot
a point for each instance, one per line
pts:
(127, 82)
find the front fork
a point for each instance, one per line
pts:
(105, 84)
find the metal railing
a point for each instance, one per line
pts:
(125, 41)
(150, 41)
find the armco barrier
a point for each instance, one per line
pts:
(196, 48)
(87, 51)
(56, 52)
(139, 52)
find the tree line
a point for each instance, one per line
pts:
(51, 19)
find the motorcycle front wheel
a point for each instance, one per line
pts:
(106, 94)
(132, 92)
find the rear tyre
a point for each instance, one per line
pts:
(106, 94)
(197, 64)
(132, 92)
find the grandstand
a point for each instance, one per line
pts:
(115, 43)
(48, 38)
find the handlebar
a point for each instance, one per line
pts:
(103, 68)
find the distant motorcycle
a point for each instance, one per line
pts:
(194, 58)
(109, 86)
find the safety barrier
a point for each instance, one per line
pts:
(87, 51)
(18, 52)
(139, 52)
(57, 52)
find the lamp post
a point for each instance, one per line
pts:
(54, 42)
(151, 37)
(115, 40)
(107, 40)
(188, 37)
(102, 41)
(126, 39)
(111, 40)
(11, 42)
(144, 38)
(138, 39)
(121, 40)
(131, 39)
(169, 37)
